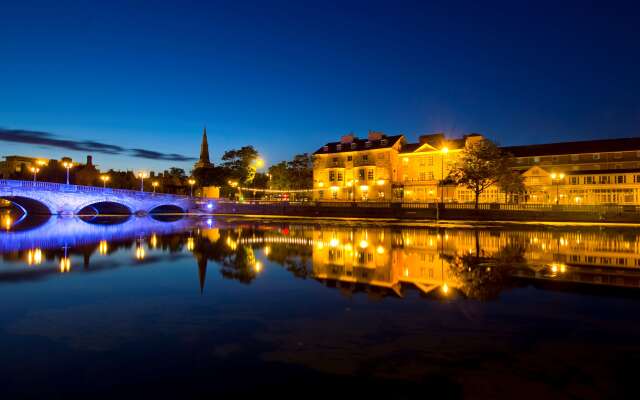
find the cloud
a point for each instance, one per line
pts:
(154, 155)
(51, 140)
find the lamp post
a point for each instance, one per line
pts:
(141, 175)
(67, 165)
(155, 185)
(35, 171)
(191, 183)
(104, 179)
(557, 178)
(444, 152)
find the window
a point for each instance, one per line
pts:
(383, 142)
(621, 179)
(321, 194)
(370, 175)
(575, 157)
(423, 176)
(636, 178)
(536, 159)
(604, 179)
(353, 145)
(349, 158)
(381, 195)
(339, 176)
(574, 180)
(589, 180)
(325, 148)
(335, 161)
(334, 194)
(332, 176)
(596, 156)
(365, 157)
(339, 147)
(430, 175)
(367, 144)
(361, 174)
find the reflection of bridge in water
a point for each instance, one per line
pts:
(56, 198)
(73, 232)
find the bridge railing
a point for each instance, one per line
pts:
(61, 187)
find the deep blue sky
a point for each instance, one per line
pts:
(289, 76)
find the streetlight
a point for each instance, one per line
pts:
(557, 178)
(104, 179)
(141, 175)
(191, 183)
(259, 162)
(67, 165)
(35, 171)
(155, 185)
(444, 152)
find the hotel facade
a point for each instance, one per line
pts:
(388, 168)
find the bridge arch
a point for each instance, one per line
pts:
(29, 205)
(167, 209)
(105, 208)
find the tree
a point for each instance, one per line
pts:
(239, 164)
(480, 166)
(511, 183)
(294, 174)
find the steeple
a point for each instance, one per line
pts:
(204, 162)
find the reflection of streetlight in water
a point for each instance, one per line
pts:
(65, 262)
(140, 253)
(103, 247)
(34, 257)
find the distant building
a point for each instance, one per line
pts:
(388, 168)
(203, 161)
(17, 165)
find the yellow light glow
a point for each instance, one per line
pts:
(554, 268)
(380, 182)
(267, 250)
(190, 244)
(258, 266)
(553, 175)
(34, 257)
(380, 250)
(334, 188)
(445, 288)
(65, 264)
(350, 183)
(364, 188)
(154, 241)
(334, 242)
(405, 160)
(321, 184)
(103, 247)
(364, 244)
(192, 182)
(320, 245)
(348, 248)
(445, 150)
(41, 162)
(154, 184)
(105, 178)
(140, 253)
(259, 163)
(7, 221)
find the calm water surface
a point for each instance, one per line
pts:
(204, 307)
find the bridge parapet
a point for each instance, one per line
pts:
(70, 199)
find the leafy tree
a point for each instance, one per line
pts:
(294, 174)
(511, 183)
(480, 166)
(239, 164)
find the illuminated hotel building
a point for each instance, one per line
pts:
(387, 168)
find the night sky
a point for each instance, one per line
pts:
(145, 77)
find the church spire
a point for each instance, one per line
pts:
(204, 152)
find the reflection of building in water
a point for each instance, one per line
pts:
(423, 258)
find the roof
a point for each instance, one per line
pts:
(451, 144)
(586, 146)
(360, 144)
(603, 171)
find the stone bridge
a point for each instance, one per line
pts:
(60, 199)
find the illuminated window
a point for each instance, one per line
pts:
(361, 174)
(365, 157)
(370, 175)
(339, 147)
(332, 176)
(367, 144)
(339, 176)
(349, 158)
(596, 156)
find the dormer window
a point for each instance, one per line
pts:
(383, 142)
(367, 143)
(339, 147)
(325, 148)
(596, 156)
(353, 145)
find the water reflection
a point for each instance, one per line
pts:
(380, 261)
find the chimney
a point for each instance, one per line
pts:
(375, 135)
(347, 138)
(89, 161)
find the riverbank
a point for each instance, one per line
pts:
(435, 212)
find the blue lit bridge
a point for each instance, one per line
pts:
(60, 199)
